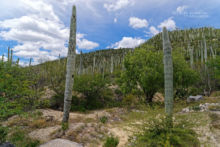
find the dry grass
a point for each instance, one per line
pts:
(215, 120)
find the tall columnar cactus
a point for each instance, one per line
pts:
(112, 64)
(8, 54)
(70, 68)
(80, 63)
(30, 61)
(93, 67)
(168, 74)
(11, 57)
(201, 53)
(18, 61)
(3, 58)
(205, 50)
(191, 58)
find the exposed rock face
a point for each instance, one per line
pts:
(61, 143)
(194, 98)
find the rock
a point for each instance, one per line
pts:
(61, 143)
(48, 93)
(7, 144)
(49, 118)
(158, 97)
(194, 98)
(44, 134)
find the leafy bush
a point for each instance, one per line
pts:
(94, 88)
(9, 108)
(144, 71)
(157, 134)
(111, 142)
(16, 90)
(20, 139)
(3, 134)
(103, 119)
(130, 100)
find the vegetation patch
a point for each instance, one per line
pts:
(157, 134)
(20, 139)
(111, 142)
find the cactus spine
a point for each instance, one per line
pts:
(70, 68)
(168, 75)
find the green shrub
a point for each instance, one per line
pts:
(3, 134)
(103, 119)
(157, 134)
(94, 88)
(196, 108)
(111, 142)
(9, 108)
(130, 100)
(20, 139)
(17, 92)
(144, 71)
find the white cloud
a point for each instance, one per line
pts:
(137, 23)
(128, 42)
(181, 9)
(118, 4)
(40, 33)
(115, 20)
(169, 24)
(153, 30)
(84, 43)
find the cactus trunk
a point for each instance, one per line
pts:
(70, 68)
(168, 75)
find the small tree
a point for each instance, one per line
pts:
(144, 69)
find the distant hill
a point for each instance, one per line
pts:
(190, 41)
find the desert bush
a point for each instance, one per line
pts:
(157, 134)
(144, 71)
(94, 88)
(9, 108)
(3, 134)
(16, 90)
(111, 142)
(103, 119)
(130, 100)
(20, 139)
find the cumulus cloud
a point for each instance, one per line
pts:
(84, 43)
(169, 24)
(118, 4)
(128, 42)
(137, 23)
(40, 33)
(153, 30)
(181, 9)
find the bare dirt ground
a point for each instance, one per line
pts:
(89, 130)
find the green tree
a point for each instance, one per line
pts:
(144, 71)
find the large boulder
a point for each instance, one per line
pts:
(194, 98)
(61, 143)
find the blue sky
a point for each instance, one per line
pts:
(39, 29)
